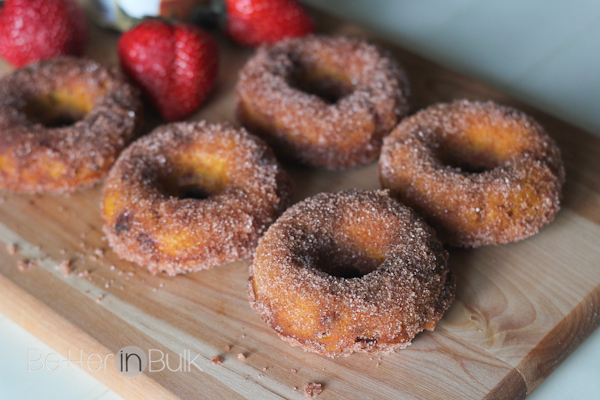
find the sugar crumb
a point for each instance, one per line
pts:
(23, 266)
(65, 267)
(312, 389)
(12, 249)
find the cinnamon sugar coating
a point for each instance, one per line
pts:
(322, 101)
(353, 271)
(63, 123)
(480, 173)
(191, 196)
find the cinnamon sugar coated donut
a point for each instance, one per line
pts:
(480, 173)
(322, 101)
(191, 196)
(347, 272)
(63, 123)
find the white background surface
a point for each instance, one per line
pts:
(545, 52)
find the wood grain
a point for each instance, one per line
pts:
(520, 308)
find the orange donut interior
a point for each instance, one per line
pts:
(358, 249)
(328, 83)
(62, 106)
(482, 143)
(200, 175)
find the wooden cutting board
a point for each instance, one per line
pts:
(520, 309)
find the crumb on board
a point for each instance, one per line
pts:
(12, 249)
(84, 274)
(98, 252)
(294, 370)
(25, 265)
(65, 267)
(22, 266)
(226, 348)
(294, 389)
(216, 360)
(99, 298)
(241, 357)
(312, 389)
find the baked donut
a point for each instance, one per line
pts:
(191, 196)
(322, 101)
(63, 123)
(353, 271)
(480, 173)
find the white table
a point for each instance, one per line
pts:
(545, 52)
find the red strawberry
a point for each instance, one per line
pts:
(253, 22)
(175, 65)
(32, 30)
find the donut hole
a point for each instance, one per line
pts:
(468, 163)
(345, 263)
(358, 247)
(189, 187)
(193, 192)
(477, 149)
(344, 260)
(199, 176)
(328, 86)
(58, 109)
